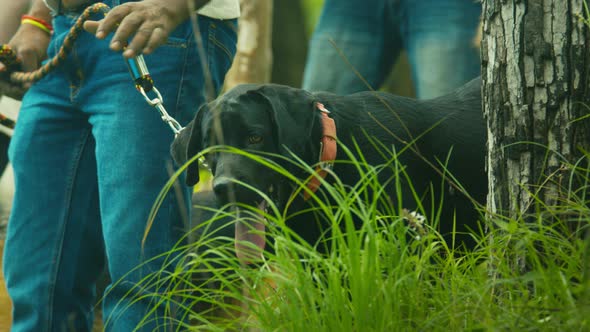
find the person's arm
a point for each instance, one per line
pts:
(10, 17)
(148, 23)
(30, 44)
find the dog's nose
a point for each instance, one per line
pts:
(224, 189)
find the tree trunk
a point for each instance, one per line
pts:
(253, 60)
(536, 62)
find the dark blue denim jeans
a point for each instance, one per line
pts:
(90, 157)
(369, 35)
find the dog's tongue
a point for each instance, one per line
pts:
(253, 232)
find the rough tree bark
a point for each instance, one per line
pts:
(253, 60)
(536, 59)
(536, 79)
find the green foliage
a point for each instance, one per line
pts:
(394, 274)
(585, 16)
(312, 9)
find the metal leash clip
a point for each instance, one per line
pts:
(145, 84)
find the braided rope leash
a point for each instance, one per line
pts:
(8, 58)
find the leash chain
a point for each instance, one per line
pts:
(145, 84)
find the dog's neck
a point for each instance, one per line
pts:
(328, 150)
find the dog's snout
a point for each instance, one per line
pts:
(224, 189)
(229, 189)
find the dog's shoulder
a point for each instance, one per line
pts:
(269, 89)
(468, 95)
(238, 90)
(375, 102)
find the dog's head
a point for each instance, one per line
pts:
(268, 118)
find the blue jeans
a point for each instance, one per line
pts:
(90, 157)
(369, 35)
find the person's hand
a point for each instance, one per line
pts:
(30, 45)
(148, 23)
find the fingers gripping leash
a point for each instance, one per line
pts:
(137, 67)
(145, 84)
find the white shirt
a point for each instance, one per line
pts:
(221, 9)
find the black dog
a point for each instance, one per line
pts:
(281, 120)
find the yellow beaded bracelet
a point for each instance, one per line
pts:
(37, 24)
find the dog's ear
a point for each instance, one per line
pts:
(292, 111)
(187, 144)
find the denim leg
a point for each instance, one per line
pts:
(438, 35)
(49, 259)
(89, 151)
(366, 40)
(134, 164)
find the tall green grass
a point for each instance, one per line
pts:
(394, 274)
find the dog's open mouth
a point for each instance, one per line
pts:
(250, 233)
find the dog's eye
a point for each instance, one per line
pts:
(254, 139)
